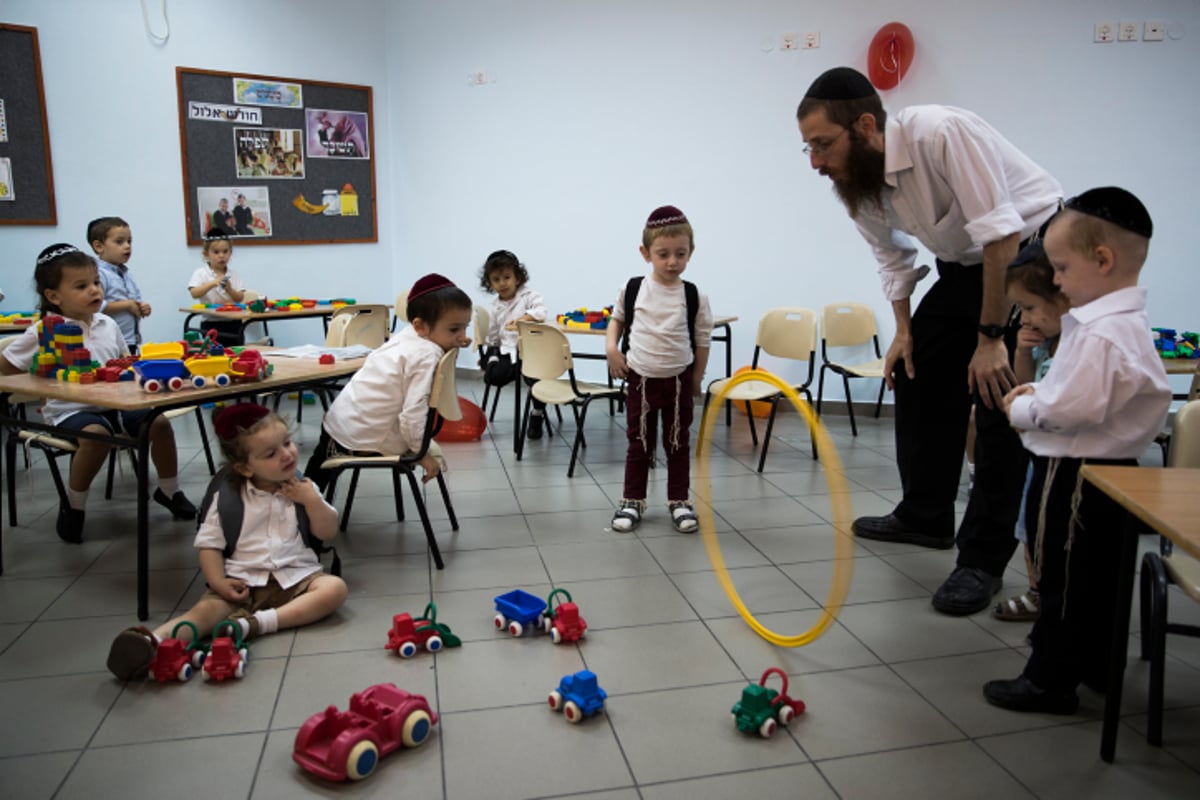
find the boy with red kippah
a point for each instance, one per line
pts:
(662, 360)
(383, 408)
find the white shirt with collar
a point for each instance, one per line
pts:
(525, 301)
(659, 345)
(955, 184)
(383, 408)
(270, 544)
(1106, 394)
(217, 295)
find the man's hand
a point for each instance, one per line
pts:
(989, 372)
(900, 352)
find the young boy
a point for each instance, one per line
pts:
(112, 242)
(383, 408)
(1103, 400)
(665, 352)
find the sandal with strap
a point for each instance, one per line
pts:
(1019, 608)
(628, 515)
(683, 516)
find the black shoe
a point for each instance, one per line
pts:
(535, 426)
(966, 591)
(179, 506)
(891, 529)
(1019, 694)
(70, 524)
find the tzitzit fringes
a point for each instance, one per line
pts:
(674, 438)
(642, 412)
(1039, 540)
(1075, 524)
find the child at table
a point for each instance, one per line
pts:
(1102, 402)
(215, 283)
(270, 579)
(506, 277)
(662, 362)
(68, 284)
(384, 406)
(112, 242)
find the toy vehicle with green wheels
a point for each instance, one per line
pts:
(762, 710)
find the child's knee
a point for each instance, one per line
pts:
(332, 589)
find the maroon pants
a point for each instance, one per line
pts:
(645, 400)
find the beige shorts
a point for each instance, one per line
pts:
(270, 596)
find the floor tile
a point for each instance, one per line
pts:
(962, 770)
(902, 630)
(655, 657)
(791, 781)
(761, 589)
(59, 713)
(35, 777)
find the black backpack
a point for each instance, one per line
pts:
(231, 511)
(693, 307)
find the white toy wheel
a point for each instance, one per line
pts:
(221, 380)
(240, 670)
(433, 644)
(152, 386)
(555, 700)
(572, 711)
(556, 636)
(198, 659)
(361, 760)
(407, 650)
(185, 673)
(543, 623)
(416, 729)
(515, 628)
(206, 675)
(786, 714)
(500, 622)
(198, 381)
(767, 728)
(175, 384)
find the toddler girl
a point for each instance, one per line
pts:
(264, 576)
(68, 283)
(215, 283)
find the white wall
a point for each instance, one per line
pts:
(601, 111)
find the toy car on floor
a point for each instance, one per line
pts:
(409, 635)
(341, 745)
(517, 609)
(175, 659)
(578, 696)
(227, 655)
(563, 622)
(762, 709)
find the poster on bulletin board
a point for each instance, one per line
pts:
(26, 174)
(272, 160)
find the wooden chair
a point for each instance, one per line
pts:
(443, 403)
(1163, 439)
(483, 323)
(545, 357)
(850, 325)
(785, 332)
(1160, 570)
(400, 311)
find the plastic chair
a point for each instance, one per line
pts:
(443, 403)
(400, 312)
(483, 323)
(850, 325)
(1160, 570)
(784, 332)
(1163, 439)
(366, 325)
(545, 357)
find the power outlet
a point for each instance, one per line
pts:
(1105, 32)
(812, 40)
(1128, 32)
(1153, 32)
(789, 41)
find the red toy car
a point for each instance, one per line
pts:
(226, 656)
(408, 635)
(337, 745)
(175, 659)
(563, 622)
(249, 366)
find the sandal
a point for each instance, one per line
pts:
(683, 516)
(1019, 608)
(628, 515)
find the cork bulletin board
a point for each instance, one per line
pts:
(271, 160)
(26, 176)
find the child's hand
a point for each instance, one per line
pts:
(1024, 388)
(511, 325)
(697, 386)
(1028, 338)
(616, 364)
(301, 491)
(431, 466)
(232, 589)
(142, 309)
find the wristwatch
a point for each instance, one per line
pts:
(992, 331)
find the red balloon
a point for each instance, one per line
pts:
(468, 429)
(890, 55)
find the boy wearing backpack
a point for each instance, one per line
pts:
(658, 341)
(260, 524)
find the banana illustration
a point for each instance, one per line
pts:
(308, 208)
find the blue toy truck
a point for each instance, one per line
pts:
(517, 609)
(578, 696)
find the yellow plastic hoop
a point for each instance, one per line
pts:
(839, 498)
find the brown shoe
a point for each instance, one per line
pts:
(131, 653)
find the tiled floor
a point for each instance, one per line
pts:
(893, 688)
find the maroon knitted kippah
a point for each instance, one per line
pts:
(233, 420)
(666, 215)
(429, 283)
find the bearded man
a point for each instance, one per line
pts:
(947, 178)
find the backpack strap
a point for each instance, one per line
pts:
(690, 292)
(693, 308)
(631, 293)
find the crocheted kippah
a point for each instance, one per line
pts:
(54, 251)
(840, 83)
(215, 234)
(429, 283)
(237, 418)
(663, 216)
(1116, 205)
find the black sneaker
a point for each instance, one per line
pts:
(70, 524)
(179, 506)
(535, 426)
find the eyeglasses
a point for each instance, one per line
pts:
(821, 148)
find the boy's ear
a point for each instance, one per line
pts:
(421, 327)
(1105, 259)
(52, 296)
(243, 470)
(97, 244)
(645, 253)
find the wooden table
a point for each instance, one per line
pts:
(1167, 501)
(289, 374)
(246, 318)
(1180, 366)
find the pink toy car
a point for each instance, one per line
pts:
(341, 745)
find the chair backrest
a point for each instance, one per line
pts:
(1185, 438)
(788, 332)
(483, 323)
(336, 335)
(17, 399)
(443, 397)
(847, 324)
(1194, 389)
(367, 325)
(402, 306)
(544, 351)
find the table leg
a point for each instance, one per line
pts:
(142, 476)
(1120, 641)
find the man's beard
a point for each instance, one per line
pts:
(862, 182)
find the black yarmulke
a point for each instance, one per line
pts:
(1116, 205)
(1030, 252)
(840, 83)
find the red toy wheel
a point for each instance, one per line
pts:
(786, 715)
(151, 386)
(767, 728)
